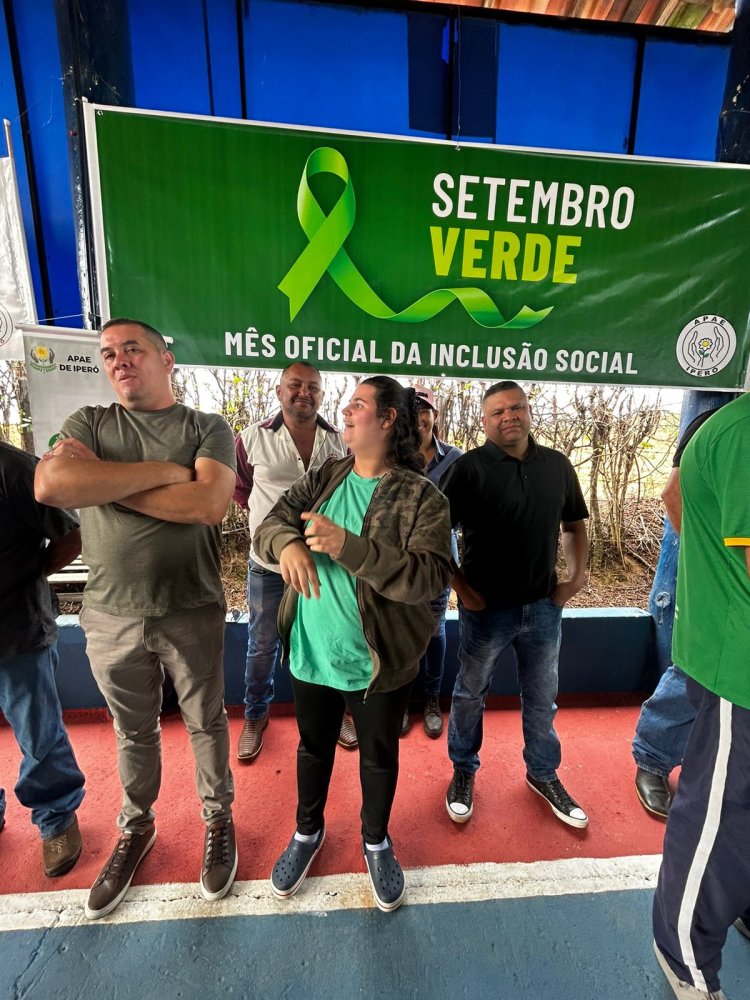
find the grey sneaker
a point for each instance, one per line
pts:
(681, 989)
(115, 877)
(219, 859)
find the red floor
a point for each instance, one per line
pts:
(509, 822)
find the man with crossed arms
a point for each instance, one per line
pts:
(154, 479)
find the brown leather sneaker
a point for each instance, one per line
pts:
(348, 734)
(219, 859)
(60, 853)
(115, 877)
(251, 739)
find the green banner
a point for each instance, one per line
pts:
(253, 246)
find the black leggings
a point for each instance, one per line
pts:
(320, 711)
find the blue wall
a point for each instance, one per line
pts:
(434, 72)
(602, 650)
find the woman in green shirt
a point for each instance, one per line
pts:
(364, 545)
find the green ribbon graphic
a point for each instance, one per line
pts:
(325, 252)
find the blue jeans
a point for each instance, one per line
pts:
(432, 663)
(662, 597)
(664, 724)
(50, 783)
(264, 592)
(534, 632)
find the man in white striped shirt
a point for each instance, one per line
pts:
(271, 455)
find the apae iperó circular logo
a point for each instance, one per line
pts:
(706, 345)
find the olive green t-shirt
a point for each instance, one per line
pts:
(327, 645)
(712, 613)
(141, 565)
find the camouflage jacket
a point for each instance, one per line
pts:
(400, 562)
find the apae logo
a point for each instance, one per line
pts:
(42, 358)
(706, 345)
(6, 326)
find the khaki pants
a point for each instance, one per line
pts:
(128, 658)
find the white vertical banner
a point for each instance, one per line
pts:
(64, 371)
(16, 289)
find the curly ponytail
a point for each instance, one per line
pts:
(404, 439)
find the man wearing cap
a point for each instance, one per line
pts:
(438, 457)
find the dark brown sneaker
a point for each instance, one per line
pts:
(219, 859)
(60, 853)
(251, 739)
(115, 877)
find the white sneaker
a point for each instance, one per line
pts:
(682, 990)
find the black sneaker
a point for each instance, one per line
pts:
(562, 805)
(386, 877)
(460, 798)
(289, 871)
(117, 874)
(220, 859)
(743, 927)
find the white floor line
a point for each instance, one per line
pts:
(320, 896)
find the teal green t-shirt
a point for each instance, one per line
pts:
(712, 614)
(327, 645)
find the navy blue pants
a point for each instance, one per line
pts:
(704, 883)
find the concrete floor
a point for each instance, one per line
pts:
(514, 904)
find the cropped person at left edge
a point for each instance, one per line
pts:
(50, 783)
(154, 479)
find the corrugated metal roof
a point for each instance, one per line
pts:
(704, 15)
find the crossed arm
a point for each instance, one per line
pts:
(71, 475)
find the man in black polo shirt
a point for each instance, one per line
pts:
(511, 496)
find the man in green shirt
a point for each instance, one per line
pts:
(704, 883)
(154, 479)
